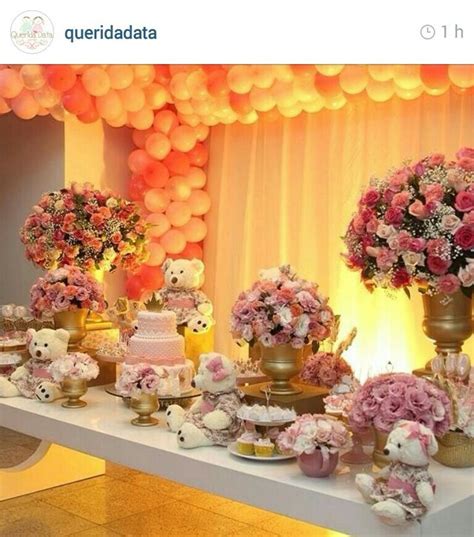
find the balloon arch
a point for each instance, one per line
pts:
(171, 107)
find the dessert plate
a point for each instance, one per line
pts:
(232, 448)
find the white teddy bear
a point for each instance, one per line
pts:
(404, 490)
(33, 379)
(212, 419)
(181, 293)
(200, 323)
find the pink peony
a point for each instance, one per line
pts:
(417, 401)
(448, 284)
(437, 265)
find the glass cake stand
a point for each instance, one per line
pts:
(165, 401)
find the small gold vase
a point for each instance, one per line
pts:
(144, 405)
(455, 449)
(448, 321)
(74, 321)
(378, 456)
(281, 363)
(74, 389)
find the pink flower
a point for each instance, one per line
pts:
(436, 159)
(465, 152)
(402, 199)
(393, 408)
(466, 275)
(433, 192)
(371, 197)
(417, 245)
(468, 218)
(450, 222)
(437, 265)
(418, 210)
(385, 258)
(464, 201)
(394, 215)
(417, 401)
(399, 179)
(464, 237)
(448, 284)
(401, 278)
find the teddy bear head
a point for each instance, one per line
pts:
(200, 323)
(216, 373)
(411, 443)
(183, 273)
(47, 344)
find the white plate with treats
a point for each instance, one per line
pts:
(232, 448)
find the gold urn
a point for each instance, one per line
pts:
(380, 459)
(455, 449)
(145, 404)
(74, 389)
(281, 363)
(74, 321)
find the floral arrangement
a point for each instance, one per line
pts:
(416, 227)
(136, 379)
(81, 226)
(341, 397)
(314, 431)
(324, 369)
(387, 398)
(281, 310)
(76, 365)
(64, 289)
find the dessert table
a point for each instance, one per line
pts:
(103, 429)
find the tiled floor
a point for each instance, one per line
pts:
(127, 502)
(15, 447)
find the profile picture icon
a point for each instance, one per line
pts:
(32, 32)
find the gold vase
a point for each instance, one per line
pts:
(448, 321)
(281, 363)
(74, 389)
(455, 449)
(378, 456)
(144, 405)
(74, 321)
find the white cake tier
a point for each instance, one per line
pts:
(156, 324)
(156, 350)
(176, 380)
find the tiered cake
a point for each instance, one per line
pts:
(157, 342)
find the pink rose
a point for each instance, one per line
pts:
(450, 222)
(371, 197)
(382, 423)
(401, 199)
(358, 225)
(464, 237)
(399, 179)
(397, 389)
(394, 215)
(418, 210)
(464, 201)
(380, 392)
(370, 407)
(417, 245)
(436, 159)
(466, 275)
(417, 400)
(372, 225)
(448, 284)
(385, 258)
(468, 218)
(465, 152)
(437, 247)
(433, 192)
(401, 278)
(437, 265)
(393, 408)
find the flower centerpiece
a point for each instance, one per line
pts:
(385, 399)
(68, 294)
(283, 313)
(140, 382)
(324, 369)
(316, 439)
(415, 227)
(89, 228)
(73, 371)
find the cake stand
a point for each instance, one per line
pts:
(165, 401)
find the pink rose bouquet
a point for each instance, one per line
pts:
(136, 379)
(324, 369)
(81, 226)
(385, 399)
(77, 365)
(281, 310)
(416, 227)
(314, 431)
(64, 289)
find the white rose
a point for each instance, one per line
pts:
(302, 326)
(285, 316)
(304, 444)
(111, 203)
(385, 232)
(411, 259)
(450, 222)
(59, 205)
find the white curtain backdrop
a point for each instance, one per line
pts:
(284, 192)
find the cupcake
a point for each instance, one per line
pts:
(245, 443)
(264, 447)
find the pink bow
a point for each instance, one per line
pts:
(415, 432)
(217, 367)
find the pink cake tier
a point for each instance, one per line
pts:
(156, 340)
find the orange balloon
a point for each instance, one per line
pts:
(138, 160)
(192, 251)
(261, 99)
(133, 98)
(240, 103)
(195, 230)
(157, 200)
(151, 277)
(143, 75)
(89, 116)
(435, 78)
(134, 288)
(76, 100)
(139, 137)
(60, 77)
(264, 76)
(198, 155)
(121, 76)
(136, 187)
(217, 83)
(96, 81)
(177, 163)
(327, 86)
(239, 79)
(199, 202)
(4, 107)
(24, 105)
(165, 121)
(143, 119)
(119, 121)
(178, 213)
(33, 76)
(184, 107)
(158, 145)
(46, 96)
(196, 177)
(284, 94)
(162, 74)
(156, 175)
(304, 71)
(178, 188)
(173, 241)
(380, 91)
(182, 138)
(381, 73)
(354, 79)
(329, 70)
(109, 106)
(157, 224)
(178, 86)
(407, 77)
(196, 82)
(156, 254)
(10, 83)
(202, 132)
(156, 96)
(462, 75)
